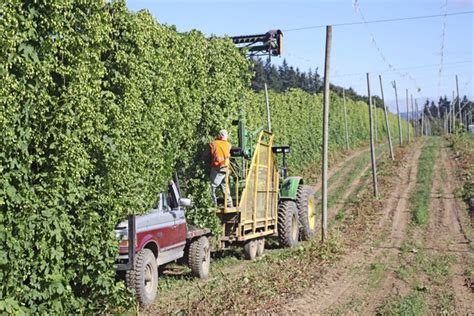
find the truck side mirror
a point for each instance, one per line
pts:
(184, 202)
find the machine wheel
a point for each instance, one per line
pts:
(250, 249)
(306, 210)
(260, 246)
(199, 257)
(288, 227)
(144, 277)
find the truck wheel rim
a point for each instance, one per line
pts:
(207, 258)
(148, 280)
(311, 215)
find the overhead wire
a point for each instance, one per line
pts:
(382, 55)
(379, 21)
(424, 67)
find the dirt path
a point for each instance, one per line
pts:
(406, 264)
(338, 166)
(445, 234)
(349, 179)
(341, 284)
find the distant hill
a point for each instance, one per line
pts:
(404, 115)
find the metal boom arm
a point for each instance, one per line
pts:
(269, 43)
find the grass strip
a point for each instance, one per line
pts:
(412, 304)
(356, 167)
(420, 197)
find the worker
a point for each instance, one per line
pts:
(220, 155)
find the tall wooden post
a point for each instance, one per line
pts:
(324, 217)
(453, 116)
(267, 103)
(408, 119)
(400, 137)
(376, 127)
(422, 116)
(417, 122)
(412, 116)
(458, 99)
(345, 118)
(387, 125)
(372, 146)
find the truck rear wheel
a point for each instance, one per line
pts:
(250, 249)
(143, 278)
(199, 257)
(306, 211)
(288, 226)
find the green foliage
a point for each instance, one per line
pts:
(297, 121)
(98, 106)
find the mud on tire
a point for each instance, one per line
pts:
(306, 206)
(288, 226)
(143, 278)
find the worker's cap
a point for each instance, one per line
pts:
(223, 134)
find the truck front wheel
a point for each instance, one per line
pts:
(288, 227)
(199, 257)
(143, 278)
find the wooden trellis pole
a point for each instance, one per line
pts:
(386, 119)
(345, 118)
(408, 119)
(372, 146)
(324, 217)
(400, 137)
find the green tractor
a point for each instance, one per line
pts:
(267, 201)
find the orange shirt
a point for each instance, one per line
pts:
(220, 153)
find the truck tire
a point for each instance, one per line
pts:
(306, 211)
(250, 249)
(199, 257)
(260, 246)
(288, 226)
(143, 278)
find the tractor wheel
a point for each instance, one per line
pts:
(288, 227)
(199, 257)
(250, 249)
(144, 277)
(260, 246)
(306, 210)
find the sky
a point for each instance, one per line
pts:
(414, 53)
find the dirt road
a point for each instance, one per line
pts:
(404, 268)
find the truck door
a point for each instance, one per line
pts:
(179, 227)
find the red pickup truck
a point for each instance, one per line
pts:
(158, 237)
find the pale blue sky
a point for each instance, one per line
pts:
(413, 47)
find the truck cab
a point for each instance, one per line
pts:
(158, 237)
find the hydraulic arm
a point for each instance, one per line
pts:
(269, 43)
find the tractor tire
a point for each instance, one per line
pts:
(143, 278)
(260, 246)
(288, 226)
(199, 257)
(306, 211)
(250, 249)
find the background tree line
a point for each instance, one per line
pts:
(284, 77)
